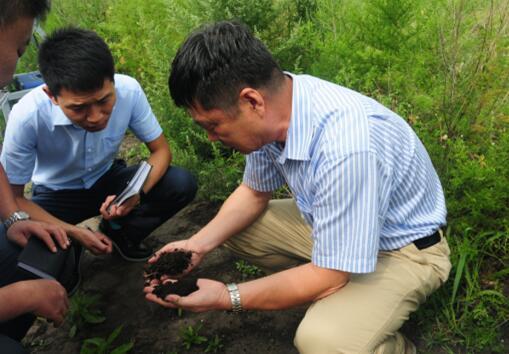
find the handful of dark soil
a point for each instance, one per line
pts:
(182, 287)
(170, 264)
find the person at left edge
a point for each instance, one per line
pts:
(64, 136)
(22, 299)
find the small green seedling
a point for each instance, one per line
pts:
(215, 345)
(247, 270)
(190, 336)
(83, 310)
(100, 345)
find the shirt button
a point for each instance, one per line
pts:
(89, 169)
(89, 149)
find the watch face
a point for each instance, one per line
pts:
(23, 215)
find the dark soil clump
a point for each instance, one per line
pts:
(170, 264)
(181, 287)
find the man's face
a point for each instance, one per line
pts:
(89, 110)
(242, 130)
(13, 42)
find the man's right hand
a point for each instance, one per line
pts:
(48, 299)
(185, 245)
(94, 241)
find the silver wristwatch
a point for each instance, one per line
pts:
(234, 297)
(15, 217)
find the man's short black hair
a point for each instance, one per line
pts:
(216, 62)
(13, 10)
(75, 59)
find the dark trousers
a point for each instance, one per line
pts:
(176, 188)
(17, 327)
(11, 346)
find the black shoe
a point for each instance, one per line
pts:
(129, 250)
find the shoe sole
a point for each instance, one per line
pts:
(127, 258)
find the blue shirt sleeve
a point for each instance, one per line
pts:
(143, 122)
(19, 146)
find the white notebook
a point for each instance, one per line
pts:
(135, 184)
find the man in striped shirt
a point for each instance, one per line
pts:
(360, 240)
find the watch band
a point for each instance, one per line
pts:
(18, 215)
(234, 297)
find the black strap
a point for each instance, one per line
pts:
(427, 241)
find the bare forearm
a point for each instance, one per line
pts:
(14, 301)
(36, 212)
(292, 287)
(160, 159)
(160, 163)
(239, 211)
(8, 204)
(39, 214)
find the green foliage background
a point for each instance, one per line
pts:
(441, 64)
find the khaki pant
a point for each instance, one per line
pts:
(365, 315)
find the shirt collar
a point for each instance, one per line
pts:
(59, 118)
(300, 130)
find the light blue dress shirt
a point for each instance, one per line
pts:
(359, 175)
(41, 144)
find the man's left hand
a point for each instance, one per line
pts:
(111, 211)
(21, 231)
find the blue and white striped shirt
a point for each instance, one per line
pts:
(359, 174)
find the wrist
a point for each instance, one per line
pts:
(73, 231)
(195, 244)
(22, 289)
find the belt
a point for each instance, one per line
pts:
(428, 241)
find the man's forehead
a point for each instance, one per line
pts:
(83, 97)
(200, 114)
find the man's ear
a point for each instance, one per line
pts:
(52, 97)
(254, 99)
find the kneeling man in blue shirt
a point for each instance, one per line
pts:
(64, 136)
